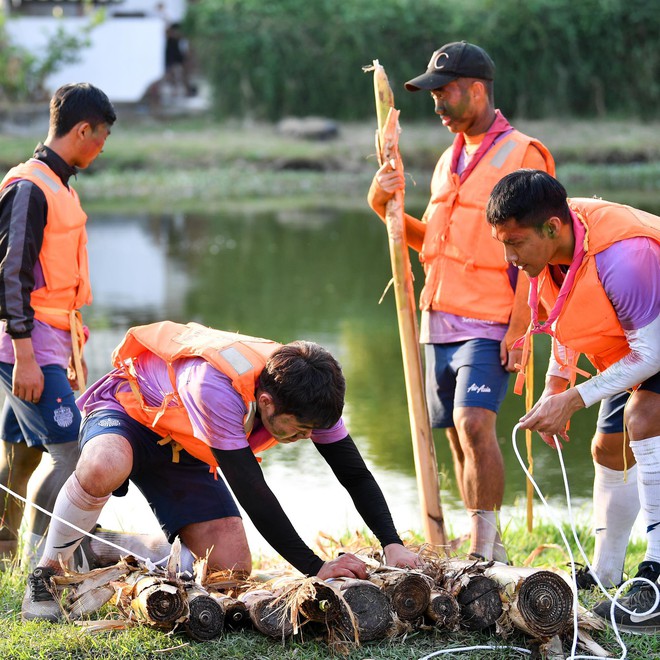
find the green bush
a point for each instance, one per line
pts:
(554, 58)
(22, 74)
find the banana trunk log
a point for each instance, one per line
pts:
(206, 618)
(538, 602)
(267, 613)
(159, 602)
(369, 605)
(236, 612)
(443, 610)
(409, 593)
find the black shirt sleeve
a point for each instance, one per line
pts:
(23, 212)
(349, 467)
(246, 479)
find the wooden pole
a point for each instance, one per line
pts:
(529, 404)
(426, 466)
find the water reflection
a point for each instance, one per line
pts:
(316, 275)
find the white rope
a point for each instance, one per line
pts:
(477, 648)
(146, 560)
(613, 600)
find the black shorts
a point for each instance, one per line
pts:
(178, 493)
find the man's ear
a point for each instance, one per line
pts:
(552, 226)
(82, 129)
(265, 402)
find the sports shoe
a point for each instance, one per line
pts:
(39, 602)
(640, 598)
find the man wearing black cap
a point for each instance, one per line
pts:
(473, 305)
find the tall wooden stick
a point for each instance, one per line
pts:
(529, 404)
(426, 466)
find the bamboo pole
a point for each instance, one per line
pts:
(426, 467)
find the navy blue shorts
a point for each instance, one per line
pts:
(463, 374)
(178, 493)
(54, 419)
(610, 414)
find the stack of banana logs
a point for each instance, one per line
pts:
(447, 594)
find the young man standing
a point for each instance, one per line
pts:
(44, 280)
(473, 306)
(185, 400)
(595, 270)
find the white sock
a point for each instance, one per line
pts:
(483, 532)
(80, 508)
(647, 454)
(616, 505)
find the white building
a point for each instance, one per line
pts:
(127, 50)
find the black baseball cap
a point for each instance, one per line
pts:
(458, 59)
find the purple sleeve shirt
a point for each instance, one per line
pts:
(215, 409)
(629, 271)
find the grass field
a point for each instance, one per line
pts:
(37, 640)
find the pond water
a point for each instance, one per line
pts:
(314, 275)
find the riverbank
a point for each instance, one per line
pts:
(196, 163)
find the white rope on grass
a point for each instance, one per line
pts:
(146, 560)
(462, 649)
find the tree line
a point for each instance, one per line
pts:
(554, 58)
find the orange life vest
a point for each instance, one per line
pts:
(239, 357)
(63, 255)
(587, 322)
(466, 273)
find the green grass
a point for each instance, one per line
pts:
(37, 640)
(198, 164)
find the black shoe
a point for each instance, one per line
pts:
(639, 600)
(39, 601)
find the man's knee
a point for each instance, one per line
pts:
(474, 425)
(225, 542)
(607, 450)
(104, 464)
(642, 415)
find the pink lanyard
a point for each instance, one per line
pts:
(499, 126)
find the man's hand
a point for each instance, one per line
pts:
(347, 565)
(398, 555)
(551, 413)
(27, 377)
(386, 182)
(509, 358)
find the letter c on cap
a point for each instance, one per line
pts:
(435, 61)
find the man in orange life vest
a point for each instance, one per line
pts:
(473, 306)
(595, 269)
(44, 280)
(185, 397)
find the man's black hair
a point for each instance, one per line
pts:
(305, 381)
(78, 102)
(528, 196)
